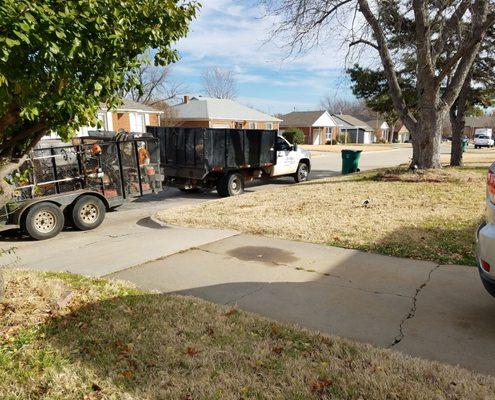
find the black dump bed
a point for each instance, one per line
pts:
(195, 152)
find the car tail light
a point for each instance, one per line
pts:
(491, 184)
(485, 266)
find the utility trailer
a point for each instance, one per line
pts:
(224, 159)
(76, 184)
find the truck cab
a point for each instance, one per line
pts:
(291, 161)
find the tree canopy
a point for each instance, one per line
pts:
(60, 58)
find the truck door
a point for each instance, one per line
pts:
(286, 159)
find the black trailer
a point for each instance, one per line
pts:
(76, 184)
(192, 158)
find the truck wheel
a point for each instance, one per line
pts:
(230, 185)
(88, 213)
(302, 173)
(43, 221)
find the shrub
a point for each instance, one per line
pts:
(294, 135)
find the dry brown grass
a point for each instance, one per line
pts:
(339, 147)
(429, 216)
(474, 157)
(112, 342)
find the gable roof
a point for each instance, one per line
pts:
(207, 108)
(376, 123)
(352, 122)
(300, 118)
(132, 106)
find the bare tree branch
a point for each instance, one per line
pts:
(219, 83)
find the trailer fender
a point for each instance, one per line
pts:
(61, 200)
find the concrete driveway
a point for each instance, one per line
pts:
(438, 312)
(128, 236)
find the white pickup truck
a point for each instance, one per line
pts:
(483, 141)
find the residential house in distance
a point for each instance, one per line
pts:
(401, 133)
(318, 126)
(207, 112)
(478, 123)
(130, 116)
(355, 130)
(381, 129)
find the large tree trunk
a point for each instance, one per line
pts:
(457, 114)
(458, 122)
(427, 138)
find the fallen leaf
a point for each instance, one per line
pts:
(278, 350)
(231, 312)
(318, 386)
(191, 351)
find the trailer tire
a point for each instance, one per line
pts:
(230, 185)
(43, 221)
(302, 173)
(88, 212)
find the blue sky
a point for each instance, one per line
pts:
(232, 34)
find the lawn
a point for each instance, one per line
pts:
(427, 216)
(68, 337)
(364, 147)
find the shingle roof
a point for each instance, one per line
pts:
(207, 108)
(130, 105)
(375, 123)
(480, 122)
(300, 118)
(352, 122)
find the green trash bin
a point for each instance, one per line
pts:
(464, 145)
(350, 161)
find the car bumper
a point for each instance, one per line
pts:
(485, 250)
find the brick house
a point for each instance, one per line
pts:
(319, 127)
(206, 112)
(130, 116)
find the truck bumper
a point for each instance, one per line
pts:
(485, 251)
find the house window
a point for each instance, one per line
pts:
(269, 126)
(136, 122)
(238, 125)
(328, 133)
(252, 125)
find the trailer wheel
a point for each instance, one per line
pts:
(88, 213)
(230, 185)
(302, 173)
(43, 221)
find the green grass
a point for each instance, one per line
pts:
(112, 341)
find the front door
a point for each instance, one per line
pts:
(317, 136)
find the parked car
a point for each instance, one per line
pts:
(485, 238)
(483, 141)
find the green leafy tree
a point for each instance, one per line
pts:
(294, 135)
(59, 59)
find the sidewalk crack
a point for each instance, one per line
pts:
(412, 311)
(235, 300)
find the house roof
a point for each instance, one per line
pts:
(480, 122)
(376, 123)
(207, 108)
(133, 106)
(349, 122)
(300, 118)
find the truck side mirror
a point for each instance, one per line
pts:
(294, 147)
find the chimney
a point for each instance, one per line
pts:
(186, 99)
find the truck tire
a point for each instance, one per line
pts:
(302, 173)
(88, 212)
(43, 221)
(230, 185)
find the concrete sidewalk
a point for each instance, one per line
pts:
(420, 308)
